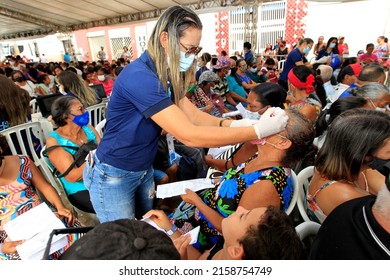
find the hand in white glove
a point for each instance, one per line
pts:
(271, 122)
(243, 123)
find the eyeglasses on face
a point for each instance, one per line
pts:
(192, 50)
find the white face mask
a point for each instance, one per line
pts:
(252, 115)
(229, 72)
(12, 63)
(101, 78)
(383, 110)
(62, 90)
(254, 69)
(185, 62)
(379, 109)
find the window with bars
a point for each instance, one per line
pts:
(270, 26)
(117, 45)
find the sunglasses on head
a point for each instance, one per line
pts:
(192, 50)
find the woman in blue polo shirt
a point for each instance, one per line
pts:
(148, 96)
(295, 58)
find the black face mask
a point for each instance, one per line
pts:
(19, 79)
(382, 166)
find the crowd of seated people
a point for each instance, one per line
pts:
(258, 175)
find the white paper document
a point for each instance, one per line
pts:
(149, 221)
(216, 152)
(178, 188)
(241, 109)
(194, 234)
(35, 227)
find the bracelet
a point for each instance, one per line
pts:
(221, 121)
(172, 230)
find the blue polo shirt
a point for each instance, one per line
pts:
(131, 136)
(294, 56)
(346, 92)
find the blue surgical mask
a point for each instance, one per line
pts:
(82, 119)
(185, 62)
(251, 115)
(332, 45)
(306, 50)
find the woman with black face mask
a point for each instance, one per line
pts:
(22, 82)
(356, 141)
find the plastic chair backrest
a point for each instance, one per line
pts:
(96, 113)
(34, 106)
(295, 194)
(304, 181)
(307, 228)
(48, 172)
(21, 140)
(84, 217)
(281, 64)
(100, 127)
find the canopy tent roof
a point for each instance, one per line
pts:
(32, 18)
(28, 18)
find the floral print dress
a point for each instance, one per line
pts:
(226, 196)
(17, 198)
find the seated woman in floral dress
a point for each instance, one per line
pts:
(18, 179)
(263, 180)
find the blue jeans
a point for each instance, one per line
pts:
(117, 193)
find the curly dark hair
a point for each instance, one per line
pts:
(273, 238)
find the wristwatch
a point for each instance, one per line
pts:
(171, 230)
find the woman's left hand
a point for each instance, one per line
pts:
(66, 213)
(191, 197)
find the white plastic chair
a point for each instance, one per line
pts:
(34, 106)
(97, 113)
(306, 229)
(295, 195)
(87, 219)
(304, 181)
(281, 64)
(100, 127)
(20, 141)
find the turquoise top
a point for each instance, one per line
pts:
(72, 188)
(234, 86)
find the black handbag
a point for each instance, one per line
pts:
(79, 156)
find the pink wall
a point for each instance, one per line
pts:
(82, 40)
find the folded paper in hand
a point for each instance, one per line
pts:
(193, 233)
(34, 227)
(178, 188)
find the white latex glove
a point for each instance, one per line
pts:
(271, 122)
(243, 123)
